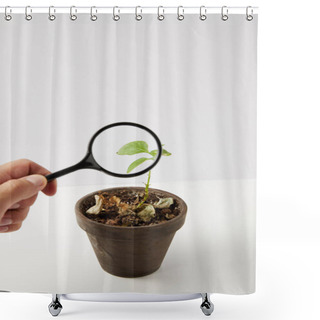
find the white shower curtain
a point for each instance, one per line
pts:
(192, 82)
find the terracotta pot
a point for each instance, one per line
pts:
(130, 251)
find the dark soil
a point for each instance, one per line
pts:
(111, 209)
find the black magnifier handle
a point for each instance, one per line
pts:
(87, 162)
(55, 175)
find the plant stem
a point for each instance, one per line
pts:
(146, 191)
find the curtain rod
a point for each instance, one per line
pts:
(124, 9)
(132, 7)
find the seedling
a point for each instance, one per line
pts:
(136, 147)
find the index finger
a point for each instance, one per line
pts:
(24, 167)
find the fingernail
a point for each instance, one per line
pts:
(5, 222)
(15, 206)
(4, 229)
(37, 180)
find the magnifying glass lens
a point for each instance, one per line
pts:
(125, 149)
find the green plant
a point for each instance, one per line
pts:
(136, 147)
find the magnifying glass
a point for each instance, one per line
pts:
(137, 143)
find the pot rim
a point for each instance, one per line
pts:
(182, 214)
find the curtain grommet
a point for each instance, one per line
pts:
(249, 16)
(224, 13)
(116, 17)
(52, 17)
(160, 15)
(73, 16)
(180, 13)
(93, 17)
(28, 12)
(203, 13)
(7, 16)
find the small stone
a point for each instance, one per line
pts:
(111, 222)
(165, 211)
(170, 216)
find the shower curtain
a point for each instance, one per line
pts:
(193, 82)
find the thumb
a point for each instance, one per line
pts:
(15, 190)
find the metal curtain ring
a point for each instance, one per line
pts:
(7, 16)
(224, 13)
(73, 16)
(93, 17)
(138, 16)
(28, 16)
(180, 13)
(51, 15)
(160, 15)
(203, 13)
(116, 17)
(249, 17)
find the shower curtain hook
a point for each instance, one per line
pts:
(180, 13)
(116, 17)
(28, 16)
(203, 13)
(249, 17)
(7, 16)
(224, 13)
(93, 17)
(51, 15)
(73, 16)
(160, 16)
(138, 16)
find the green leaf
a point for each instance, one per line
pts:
(134, 147)
(154, 153)
(164, 153)
(136, 163)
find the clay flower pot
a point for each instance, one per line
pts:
(130, 251)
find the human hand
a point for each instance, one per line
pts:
(20, 182)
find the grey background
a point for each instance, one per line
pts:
(192, 82)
